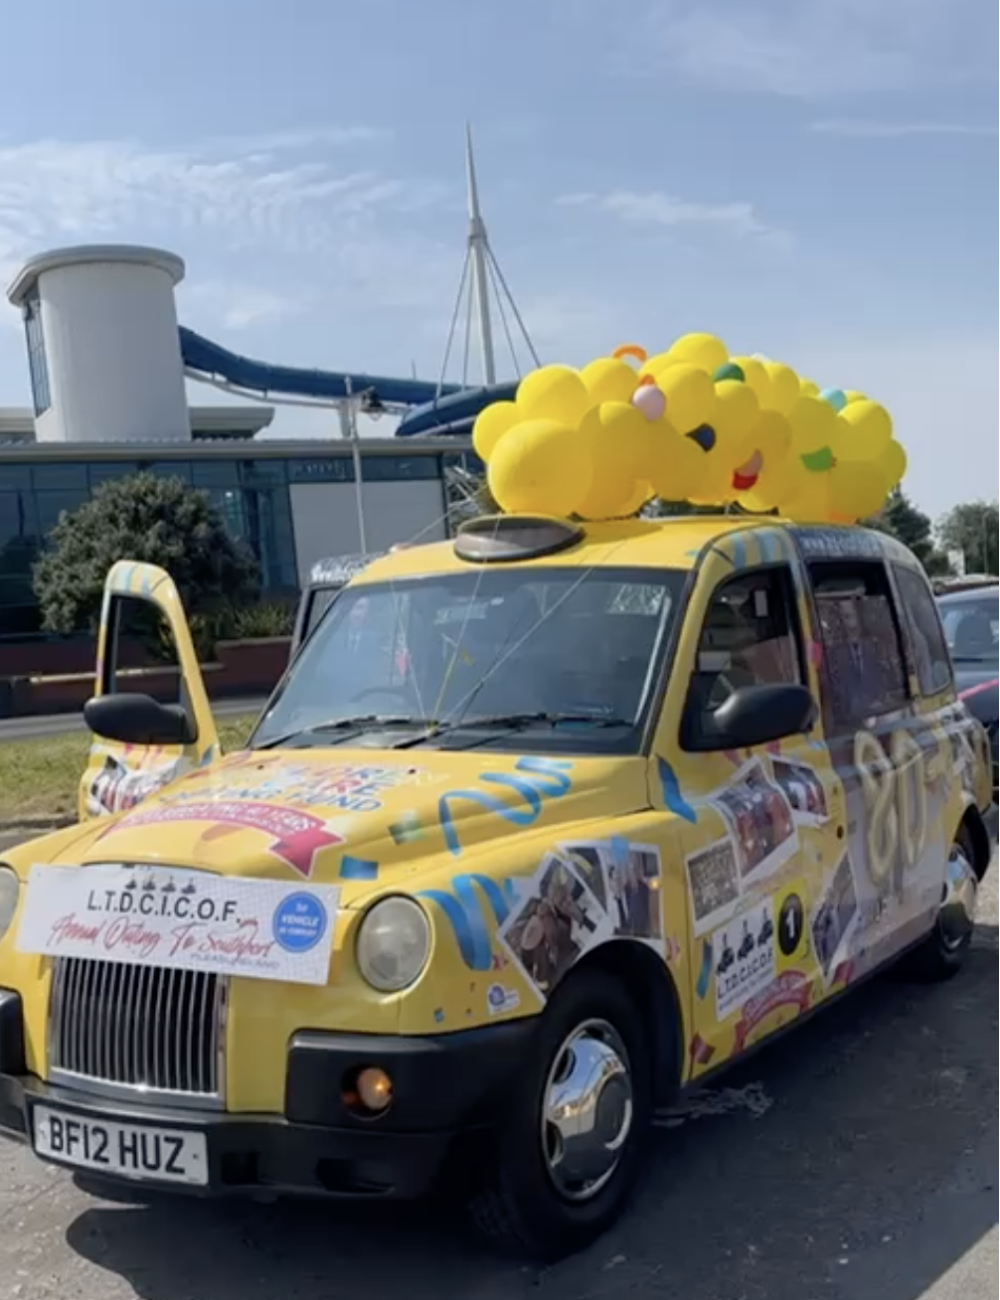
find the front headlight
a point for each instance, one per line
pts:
(393, 944)
(10, 887)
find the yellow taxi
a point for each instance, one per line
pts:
(543, 825)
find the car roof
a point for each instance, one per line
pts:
(971, 596)
(338, 569)
(677, 542)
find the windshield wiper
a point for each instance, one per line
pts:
(364, 722)
(513, 722)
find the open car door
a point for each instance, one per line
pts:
(142, 609)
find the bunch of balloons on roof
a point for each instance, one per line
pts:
(690, 424)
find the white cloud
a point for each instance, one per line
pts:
(873, 130)
(814, 48)
(249, 198)
(245, 212)
(240, 306)
(305, 138)
(654, 208)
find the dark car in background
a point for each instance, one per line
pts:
(971, 623)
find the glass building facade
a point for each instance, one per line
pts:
(252, 492)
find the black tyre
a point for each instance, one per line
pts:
(567, 1156)
(942, 954)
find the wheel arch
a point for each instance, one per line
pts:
(646, 976)
(974, 826)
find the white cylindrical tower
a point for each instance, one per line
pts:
(103, 345)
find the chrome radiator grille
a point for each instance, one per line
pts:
(138, 1028)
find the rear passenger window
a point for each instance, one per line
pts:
(862, 667)
(930, 650)
(750, 637)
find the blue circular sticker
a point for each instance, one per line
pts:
(300, 923)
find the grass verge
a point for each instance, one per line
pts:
(39, 778)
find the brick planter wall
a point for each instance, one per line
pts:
(243, 668)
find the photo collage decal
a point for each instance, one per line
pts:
(584, 894)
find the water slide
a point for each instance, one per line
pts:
(426, 407)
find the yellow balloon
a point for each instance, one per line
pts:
(690, 395)
(616, 494)
(615, 433)
(736, 410)
(490, 426)
(779, 482)
(809, 388)
(610, 380)
(553, 393)
(756, 377)
(643, 493)
(864, 430)
(537, 468)
(783, 387)
(661, 361)
(853, 395)
(715, 481)
(814, 425)
(858, 490)
(892, 463)
(772, 436)
(702, 350)
(811, 504)
(678, 468)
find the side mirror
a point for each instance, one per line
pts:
(755, 715)
(138, 720)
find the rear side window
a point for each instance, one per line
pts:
(930, 651)
(862, 667)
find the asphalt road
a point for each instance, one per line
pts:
(61, 724)
(852, 1161)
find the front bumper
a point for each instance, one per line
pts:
(448, 1091)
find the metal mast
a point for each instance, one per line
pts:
(481, 273)
(479, 255)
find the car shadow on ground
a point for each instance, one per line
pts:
(855, 1158)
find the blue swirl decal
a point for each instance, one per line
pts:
(465, 909)
(672, 796)
(544, 779)
(352, 868)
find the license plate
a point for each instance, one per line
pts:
(135, 1151)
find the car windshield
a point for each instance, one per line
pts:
(560, 652)
(970, 626)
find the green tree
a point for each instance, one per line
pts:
(972, 529)
(903, 520)
(156, 520)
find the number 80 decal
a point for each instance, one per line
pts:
(895, 793)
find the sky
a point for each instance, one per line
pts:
(811, 179)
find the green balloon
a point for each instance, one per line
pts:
(818, 461)
(730, 371)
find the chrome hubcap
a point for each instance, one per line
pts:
(586, 1110)
(958, 900)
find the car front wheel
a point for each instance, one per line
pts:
(568, 1154)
